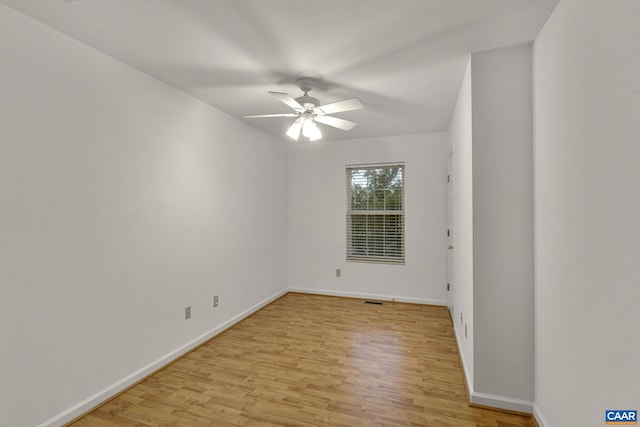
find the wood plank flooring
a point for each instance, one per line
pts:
(309, 360)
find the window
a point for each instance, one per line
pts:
(375, 213)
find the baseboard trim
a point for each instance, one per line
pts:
(377, 297)
(136, 377)
(538, 417)
(501, 402)
(468, 385)
(489, 400)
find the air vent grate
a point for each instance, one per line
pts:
(374, 302)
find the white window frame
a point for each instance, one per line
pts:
(377, 245)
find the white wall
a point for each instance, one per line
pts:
(587, 152)
(317, 206)
(460, 133)
(122, 201)
(501, 85)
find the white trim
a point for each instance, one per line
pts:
(502, 402)
(491, 400)
(369, 296)
(375, 165)
(540, 419)
(465, 369)
(108, 392)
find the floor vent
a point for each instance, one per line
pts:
(373, 302)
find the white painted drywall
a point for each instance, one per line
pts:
(587, 157)
(462, 283)
(501, 86)
(317, 206)
(122, 201)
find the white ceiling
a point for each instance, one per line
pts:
(404, 59)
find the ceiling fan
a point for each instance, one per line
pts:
(308, 111)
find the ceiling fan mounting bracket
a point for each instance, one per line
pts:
(308, 102)
(306, 84)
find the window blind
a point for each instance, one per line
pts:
(375, 213)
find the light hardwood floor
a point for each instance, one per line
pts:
(308, 360)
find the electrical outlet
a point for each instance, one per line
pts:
(187, 313)
(465, 330)
(215, 301)
(338, 272)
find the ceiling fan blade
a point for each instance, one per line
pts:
(336, 122)
(340, 106)
(289, 101)
(256, 116)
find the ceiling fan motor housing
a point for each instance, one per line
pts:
(308, 102)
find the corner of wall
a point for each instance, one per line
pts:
(539, 418)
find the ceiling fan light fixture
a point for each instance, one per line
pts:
(294, 130)
(310, 130)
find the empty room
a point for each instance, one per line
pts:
(329, 213)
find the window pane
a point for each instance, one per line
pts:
(375, 216)
(376, 188)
